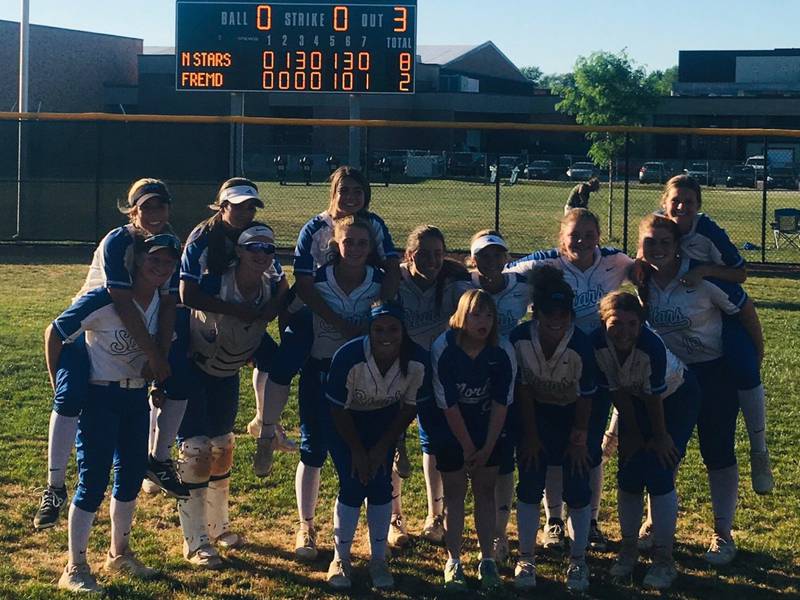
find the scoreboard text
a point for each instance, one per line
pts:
(350, 47)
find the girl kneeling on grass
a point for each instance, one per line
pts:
(658, 401)
(473, 375)
(114, 422)
(373, 386)
(555, 393)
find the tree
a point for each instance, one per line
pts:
(534, 74)
(661, 81)
(609, 89)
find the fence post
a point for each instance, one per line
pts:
(497, 193)
(764, 203)
(625, 193)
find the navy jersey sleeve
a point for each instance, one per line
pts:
(341, 364)
(504, 373)
(75, 320)
(425, 391)
(599, 344)
(525, 265)
(386, 244)
(443, 375)
(115, 246)
(583, 346)
(725, 251)
(191, 260)
(303, 258)
(657, 351)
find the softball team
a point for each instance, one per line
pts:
(378, 343)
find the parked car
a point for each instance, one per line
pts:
(581, 171)
(782, 177)
(741, 176)
(757, 162)
(508, 163)
(465, 164)
(701, 172)
(653, 172)
(541, 169)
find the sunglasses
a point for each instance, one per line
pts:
(264, 247)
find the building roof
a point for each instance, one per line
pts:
(484, 59)
(64, 29)
(441, 55)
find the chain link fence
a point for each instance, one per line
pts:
(74, 171)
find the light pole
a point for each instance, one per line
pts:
(24, 52)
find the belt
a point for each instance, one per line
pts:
(125, 384)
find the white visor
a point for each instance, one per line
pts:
(487, 240)
(254, 232)
(239, 194)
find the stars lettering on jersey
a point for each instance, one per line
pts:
(123, 344)
(669, 318)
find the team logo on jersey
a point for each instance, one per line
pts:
(123, 344)
(669, 318)
(474, 394)
(588, 299)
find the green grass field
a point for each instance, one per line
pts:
(35, 291)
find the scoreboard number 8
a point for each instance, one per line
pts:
(406, 62)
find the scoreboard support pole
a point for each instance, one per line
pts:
(236, 155)
(354, 158)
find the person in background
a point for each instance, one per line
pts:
(579, 195)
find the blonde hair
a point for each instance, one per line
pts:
(339, 228)
(682, 182)
(470, 301)
(576, 215)
(620, 300)
(128, 207)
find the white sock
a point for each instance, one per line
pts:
(503, 499)
(596, 485)
(724, 485)
(151, 438)
(664, 512)
(613, 424)
(217, 513)
(61, 439)
(275, 398)
(397, 494)
(378, 518)
(630, 508)
(260, 391)
(753, 405)
(306, 488)
(80, 525)
(345, 522)
(579, 521)
(169, 420)
(433, 485)
(554, 493)
(527, 526)
(121, 521)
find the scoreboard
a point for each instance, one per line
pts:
(353, 47)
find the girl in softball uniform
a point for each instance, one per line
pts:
(114, 418)
(220, 345)
(592, 272)
(658, 401)
(704, 241)
(350, 194)
(473, 375)
(554, 395)
(373, 386)
(689, 318)
(112, 267)
(489, 254)
(430, 287)
(348, 286)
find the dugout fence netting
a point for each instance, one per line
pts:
(462, 177)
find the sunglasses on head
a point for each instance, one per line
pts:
(164, 240)
(264, 247)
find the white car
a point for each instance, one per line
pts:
(581, 171)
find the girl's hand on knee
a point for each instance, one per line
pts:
(528, 453)
(665, 450)
(360, 469)
(578, 456)
(376, 457)
(479, 458)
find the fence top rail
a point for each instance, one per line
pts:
(241, 120)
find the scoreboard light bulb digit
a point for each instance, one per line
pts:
(264, 17)
(401, 19)
(341, 18)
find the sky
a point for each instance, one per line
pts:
(547, 34)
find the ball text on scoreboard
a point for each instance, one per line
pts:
(357, 47)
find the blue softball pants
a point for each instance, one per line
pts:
(316, 423)
(719, 409)
(72, 377)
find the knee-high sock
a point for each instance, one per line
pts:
(61, 439)
(121, 514)
(168, 421)
(151, 439)
(754, 410)
(194, 522)
(596, 484)
(665, 516)
(554, 493)
(378, 518)
(579, 521)
(503, 499)
(260, 391)
(433, 485)
(345, 522)
(80, 525)
(724, 485)
(275, 399)
(630, 508)
(397, 494)
(306, 487)
(217, 507)
(527, 526)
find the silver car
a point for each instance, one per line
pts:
(581, 171)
